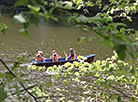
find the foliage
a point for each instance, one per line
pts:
(116, 79)
(110, 75)
(3, 28)
(111, 33)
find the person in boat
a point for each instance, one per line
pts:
(40, 56)
(72, 55)
(55, 56)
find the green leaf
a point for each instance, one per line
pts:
(95, 19)
(136, 93)
(119, 98)
(20, 18)
(51, 10)
(34, 8)
(15, 65)
(65, 82)
(117, 24)
(79, 40)
(24, 32)
(17, 91)
(116, 41)
(133, 71)
(90, 73)
(2, 75)
(82, 18)
(28, 22)
(107, 42)
(121, 51)
(39, 68)
(43, 68)
(35, 20)
(48, 84)
(130, 50)
(34, 2)
(58, 89)
(21, 3)
(20, 80)
(3, 94)
(132, 99)
(101, 30)
(90, 38)
(3, 28)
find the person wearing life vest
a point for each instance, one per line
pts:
(72, 55)
(40, 56)
(55, 56)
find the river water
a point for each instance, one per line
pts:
(48, 37)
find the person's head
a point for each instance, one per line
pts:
(40, 52)
(53, 51)
(71, 49)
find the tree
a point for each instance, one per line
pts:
(107, 73)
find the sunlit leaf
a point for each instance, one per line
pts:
(34, 67)
(48, 84)
(43, 68)
(3, 28)
(34, 8)
(90, 38)
(58, 89)
(79, 40)
(65, 82)
(20, 18)
(87, 92)
(39, 68)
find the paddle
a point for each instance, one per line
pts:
(36, 52)
(65, 55)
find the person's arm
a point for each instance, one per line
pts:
(41, 57)
(72, 54)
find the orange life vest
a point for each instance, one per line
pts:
(74, 57)
(53, 58)
(38, 58)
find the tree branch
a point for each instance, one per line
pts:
(19, 81)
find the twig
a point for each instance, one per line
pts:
(52, 96)
(23, 89)
(19, 81)
(120, 91)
